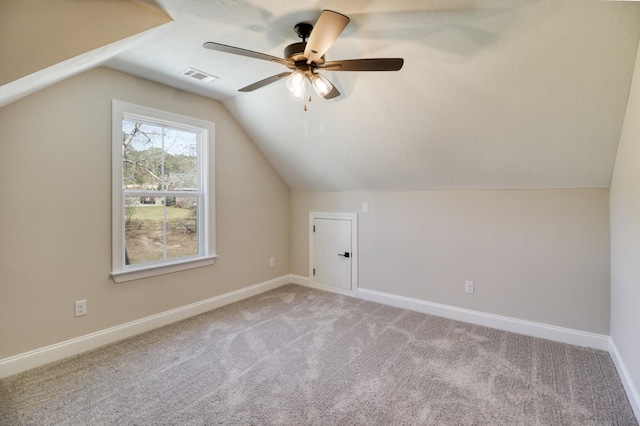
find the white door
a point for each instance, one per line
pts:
(333, 257)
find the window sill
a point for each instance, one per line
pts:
(152, 271)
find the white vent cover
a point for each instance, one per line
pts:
(199, 75)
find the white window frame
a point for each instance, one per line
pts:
(206, 208)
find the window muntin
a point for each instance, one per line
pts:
(160, 167)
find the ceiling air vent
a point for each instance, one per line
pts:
(199, 75)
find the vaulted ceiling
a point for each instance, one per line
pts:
(493, 93)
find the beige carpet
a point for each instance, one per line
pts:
(296, 356)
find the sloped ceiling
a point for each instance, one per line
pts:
(45, 41)
(493, 93)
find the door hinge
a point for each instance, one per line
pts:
(314, 228)
(314, 272)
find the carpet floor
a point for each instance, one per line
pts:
(297, 356)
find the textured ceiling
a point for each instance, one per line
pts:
(493, 93)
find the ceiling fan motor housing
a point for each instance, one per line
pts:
(295, 53)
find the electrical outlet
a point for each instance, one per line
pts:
(81, 307)
(272, 262)
(468, 287)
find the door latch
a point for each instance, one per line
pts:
(346, 254)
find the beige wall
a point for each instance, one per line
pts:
(625, 238)
(538, 255)
(55, 227)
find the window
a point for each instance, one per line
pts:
(162, 201)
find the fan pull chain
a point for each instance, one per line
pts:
(305, 105)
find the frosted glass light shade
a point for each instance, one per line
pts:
(320, 84)
(296, 83)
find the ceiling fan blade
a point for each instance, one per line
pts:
(248, 53)
(376, 64)
(329, 26)
(334, 93)
(262, 83)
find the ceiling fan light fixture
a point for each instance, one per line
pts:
(320, 84)
(296, 83)
(306, 56)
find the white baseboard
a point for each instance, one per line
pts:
(58, 351)
(306, 282)
(299, 279)
(528, 328)
(625, 377)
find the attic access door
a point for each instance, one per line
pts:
(333, 252)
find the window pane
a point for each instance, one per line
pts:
(141, 156)
(182, 229)
(147, 238)
(156, 158)
(144, 230)
(181, 160)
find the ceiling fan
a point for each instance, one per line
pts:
(305, 58)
